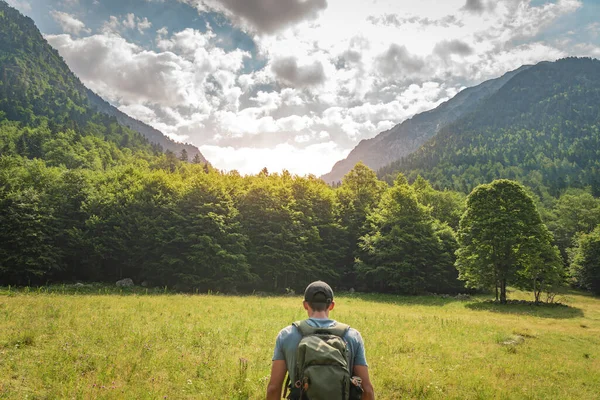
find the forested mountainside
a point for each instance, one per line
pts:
(541, 128)
(406, 137)
(36, 85)
(153, 135)
(83, 198)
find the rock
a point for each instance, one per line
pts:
(127, 282)
(144, 284)
(79, 285)
(352, 290)
(461, 296)
(513, 340)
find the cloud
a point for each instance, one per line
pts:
(69, 23)
(397, 21)
(475, 6)
(139, 111)
(331, 75)
(126, 73)
(396, 60)
(593, 29)
(264, 16)
(455, 46)
(143, 25)
(517, 21)
(287, 70)
(130, 21)
(21, 5)
(249, 160)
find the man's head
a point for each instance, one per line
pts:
(318, 296)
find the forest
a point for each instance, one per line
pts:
(83, 209)
(85, 199)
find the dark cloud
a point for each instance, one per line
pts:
(447, 47)
(395, 20)
(348, 59)
(397, 60)
(268, 16)
(475, 6)
(288, 71)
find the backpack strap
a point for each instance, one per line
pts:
(305, 329)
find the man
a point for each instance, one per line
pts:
(318, 302)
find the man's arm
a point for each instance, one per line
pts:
(278, 370)
(362, 371)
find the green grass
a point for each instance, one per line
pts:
(133, 345)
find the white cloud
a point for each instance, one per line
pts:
(143, 25)
(336, 71)
(21, 5)
(69, 23)
(593, 29)
(126, 73)
(115, 25)
(246, 160)
(139, 111)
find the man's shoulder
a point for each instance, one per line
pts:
(288, 331)
(354, 334)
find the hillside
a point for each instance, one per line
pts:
(406, 137)
(35, 83)
(150, 133)
(541, 127)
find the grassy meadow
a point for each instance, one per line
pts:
(167, 346)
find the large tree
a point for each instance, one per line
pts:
(358, 195)
(586, 261)
(500, 233)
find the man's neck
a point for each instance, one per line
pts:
(319, 315)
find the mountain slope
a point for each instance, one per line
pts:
(408, 136)
(150, 133)
(35, 83)
(542, 127)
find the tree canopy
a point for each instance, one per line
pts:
(501, 235)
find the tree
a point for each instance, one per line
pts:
(543, 270)
(446, 206)
(184, 155)
(358, 195)
(575, 211)
(405, 251)
(500, 233)
(585, 267)
(197, 159)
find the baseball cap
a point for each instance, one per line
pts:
(318, 292)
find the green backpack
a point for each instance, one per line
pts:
(322, 370)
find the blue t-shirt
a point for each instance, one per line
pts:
(289, 338)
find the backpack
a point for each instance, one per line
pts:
(322, 370)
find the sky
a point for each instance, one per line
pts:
(296, 84)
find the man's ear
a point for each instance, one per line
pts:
(305, 304)
(331, 305)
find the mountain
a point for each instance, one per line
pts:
(153, 135)
(542, 127)
(406, 137)
(36, 83)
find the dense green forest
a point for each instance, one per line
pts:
(83, 198)
(541, 128)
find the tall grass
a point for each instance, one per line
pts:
(133, 345)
